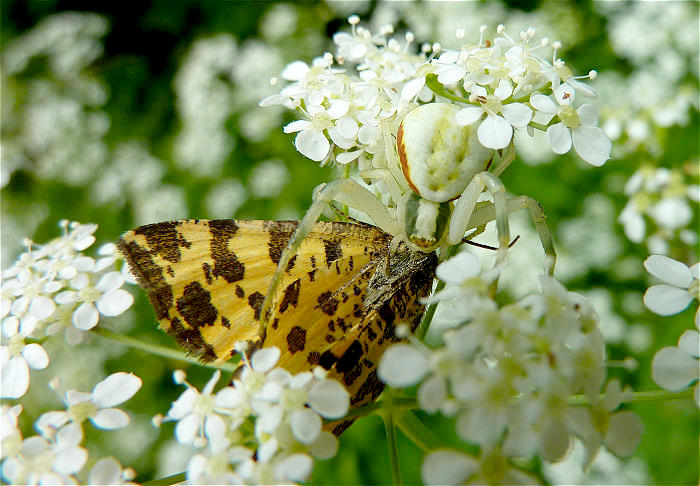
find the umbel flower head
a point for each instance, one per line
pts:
(262, 429)
(351, 101)
(506, 374)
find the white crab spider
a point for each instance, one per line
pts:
(436, 172)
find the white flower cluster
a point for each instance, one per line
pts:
(675, 367)
(506, 375)
(500, 84)
(662, 196)
(50, 288)
(261, 429)
(56, 456)
(54, 117)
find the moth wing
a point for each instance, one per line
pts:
(207, 279)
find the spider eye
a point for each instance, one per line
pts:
(425, 221)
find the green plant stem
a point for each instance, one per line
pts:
(417, 432)
(392, 445)
(157, 350)
(166, 481)
(434, 85)
(642, 396)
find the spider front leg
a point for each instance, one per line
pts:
(487, 213)
(345, 192)
(464, 208)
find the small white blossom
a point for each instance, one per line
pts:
(108, 471)
(97, 406)
(681, 287)
(41, 461)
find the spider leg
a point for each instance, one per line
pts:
(345, 191)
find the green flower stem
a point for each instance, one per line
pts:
(166, 481)
(540, 126)
(413, 428)
(158, 350)
(397, 403)
(390, 427)
(431, 81)
(643, 396)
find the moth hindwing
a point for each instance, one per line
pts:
(339, 300)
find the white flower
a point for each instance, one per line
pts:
(48, 462)
(108, 471)
(681, 287)
(495, 131)
(17, 358)
(402, 365)
(106, 298)
(579, 126)
(10, 435)
(196, 413)
(96, 406)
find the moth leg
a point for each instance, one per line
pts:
(345, 191)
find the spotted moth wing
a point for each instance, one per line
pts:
(207, 279)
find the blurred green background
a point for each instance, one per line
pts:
(131, 113)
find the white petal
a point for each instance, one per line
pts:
(312, 144)
(559, 138)
(306, 425)
(338, 139)
(459, 268)
(504, 90)
(402, 365)
(495, 132)
(15, 378)
(214, 427)
(666, 300)
(264, 359)
(669, 270)
(588, 115)
(295, 71)
(114, 303)
(209, 387)
(592, 144)
(338, 109)
(86, 316)
(674, 369)
(296, 467)
(187, 428)
(183, 405)
(69, 436)
(431, 394)
(468, 115)
(106, 471)
(36, 356)
(411, 89)
(443, 467)
(368, 134)
(517, 114)
(115, 389)
(297, 126)
(451, 75)
(543, 103)
(347, 127)
(111, 418)
(110, 281)
(42, 307)
(330, 399)
(70, 461)
(347, 157)
(624, 433)
(75, 396)
(689, 342)
(325, 446)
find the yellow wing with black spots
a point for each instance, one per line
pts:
(207, 279)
